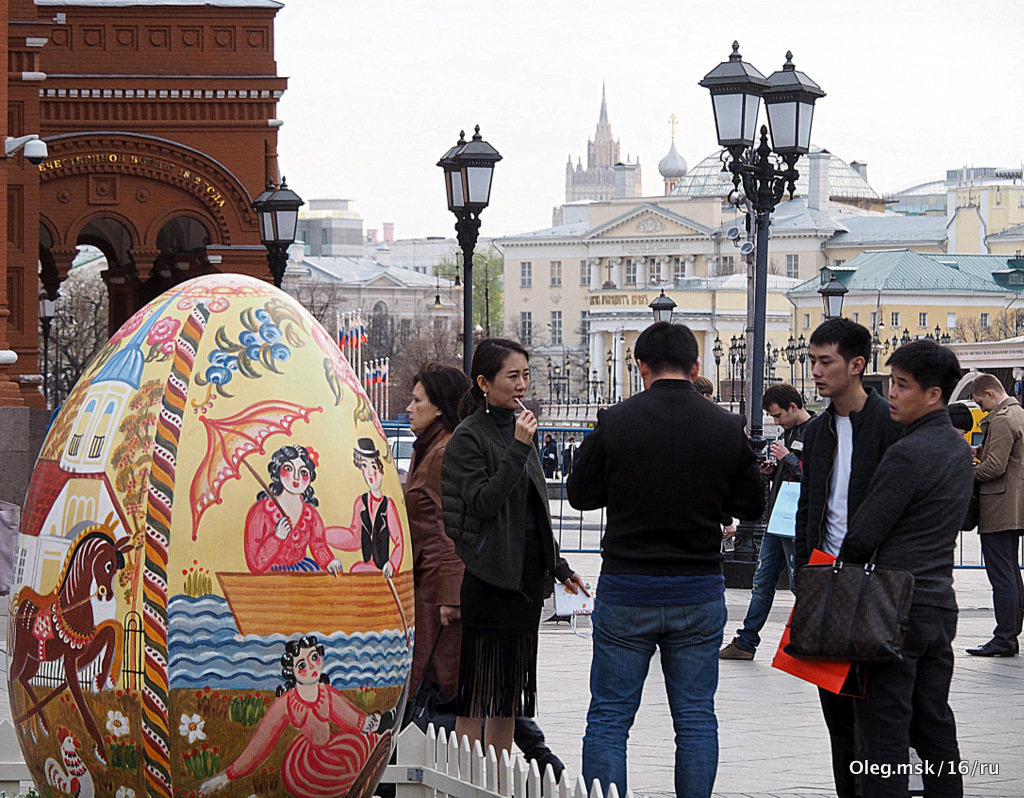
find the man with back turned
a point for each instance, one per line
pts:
(668, 465)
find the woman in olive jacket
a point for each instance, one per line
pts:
(495, 508)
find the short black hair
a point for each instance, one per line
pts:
(851, 339)
(666, 347)
(930, 364)
(782, 394)
(961, 416)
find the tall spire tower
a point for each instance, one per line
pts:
(597, 181)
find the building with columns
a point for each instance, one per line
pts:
(578, 293)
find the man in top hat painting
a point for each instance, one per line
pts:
(376, 529)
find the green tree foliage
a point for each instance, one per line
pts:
(488, 286)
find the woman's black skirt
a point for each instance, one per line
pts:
(498, 662)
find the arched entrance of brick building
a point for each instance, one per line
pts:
(159, 211)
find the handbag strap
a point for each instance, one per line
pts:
(426, 666)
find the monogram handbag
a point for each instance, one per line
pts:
(848, 611)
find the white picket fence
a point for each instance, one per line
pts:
(436, 765)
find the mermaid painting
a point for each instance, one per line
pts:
(335, 738)
(284, 521)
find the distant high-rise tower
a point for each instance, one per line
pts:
(597, 181)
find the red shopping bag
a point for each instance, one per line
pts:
(830, 675)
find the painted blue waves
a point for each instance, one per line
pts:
(206, 649)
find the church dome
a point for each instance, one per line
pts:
(672, 165)
(845, 182)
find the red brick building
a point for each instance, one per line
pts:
(160, 124)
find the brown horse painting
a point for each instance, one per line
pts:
(75, 623)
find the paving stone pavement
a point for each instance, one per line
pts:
(771, 734)
(772, 737)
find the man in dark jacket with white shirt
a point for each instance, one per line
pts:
(668, 465)
(911, 517)
(842, 447)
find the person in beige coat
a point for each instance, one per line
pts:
(1000, 477)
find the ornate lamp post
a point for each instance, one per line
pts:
(832, 294)
(905, 338)
(47, 310)
(662, 307)
(717, 352)
(629, 368)
(610, 360)
(791, 357)
(765, 173)
(551, 379)
(733, 350)
(803, 351)
(468, 169)
(277, 209)
(876, 348)
(585, 380)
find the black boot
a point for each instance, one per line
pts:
(530, 739)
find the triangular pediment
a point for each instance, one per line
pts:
(384, 279)
(647, 221)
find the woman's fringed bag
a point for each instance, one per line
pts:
(851, 612)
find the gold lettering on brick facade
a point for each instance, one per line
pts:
(213, 194)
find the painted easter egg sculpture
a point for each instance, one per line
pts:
(213, 590)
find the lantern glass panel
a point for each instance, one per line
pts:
(752, 102)
(478, 179)
(456, 198)
(267, 231)
(731, 116)
(806, 114)
(286, 223)
(782, 120)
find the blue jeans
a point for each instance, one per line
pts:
(776, 554)
(624, 641)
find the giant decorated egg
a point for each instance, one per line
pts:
(213, 584)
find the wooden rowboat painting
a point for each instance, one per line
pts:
(300, 603)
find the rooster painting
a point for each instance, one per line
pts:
(70, 777)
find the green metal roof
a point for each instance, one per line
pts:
(903, 270)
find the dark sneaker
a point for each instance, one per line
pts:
(733, 651)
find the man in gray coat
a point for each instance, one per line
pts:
(910, 519)
(1000, 474)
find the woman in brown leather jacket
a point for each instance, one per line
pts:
(437, 570)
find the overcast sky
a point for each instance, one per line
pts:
(378, 91)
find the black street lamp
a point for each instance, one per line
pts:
(732, 369)
(771, 357)
(905, 338)
(803, 352)
(717, 352)
(47, 310)
(629, 368)
(876, 348)
(662, 307)
(468, 169)
(277, 210)
(585, 383)
(736, 90)
(832, 293)
(791, 357)
(610, 360)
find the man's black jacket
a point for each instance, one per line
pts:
(874, 431)
(668, 464)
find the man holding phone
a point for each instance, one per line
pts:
(785, 405)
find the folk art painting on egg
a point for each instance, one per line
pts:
(213, 584)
